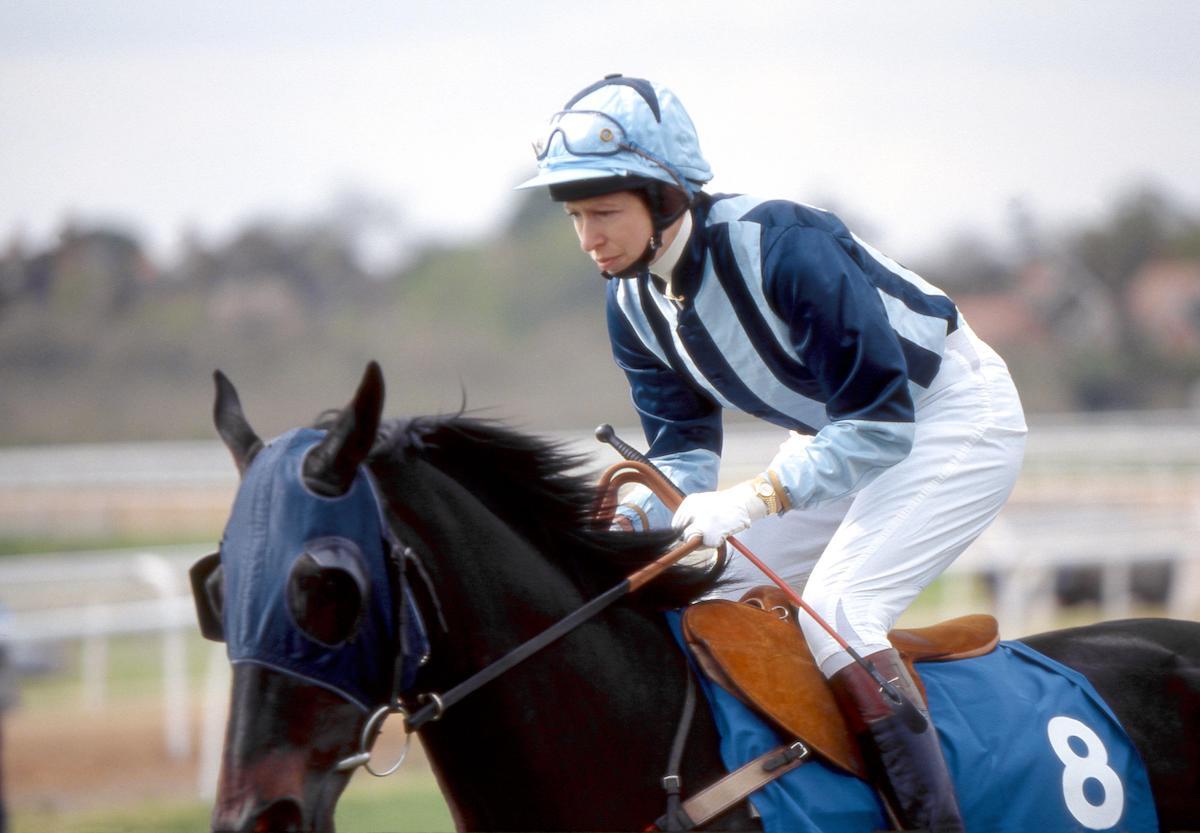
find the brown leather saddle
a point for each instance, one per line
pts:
(754, 649)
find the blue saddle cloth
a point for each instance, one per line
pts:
(1030, 745)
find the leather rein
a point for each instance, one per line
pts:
(434, 705)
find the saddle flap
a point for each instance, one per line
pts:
(756, 652)
(763, 661)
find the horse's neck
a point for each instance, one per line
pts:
(599, 704)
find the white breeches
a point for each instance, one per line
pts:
(863, 559)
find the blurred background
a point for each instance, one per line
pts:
(285, 190)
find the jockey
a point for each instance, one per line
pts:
(906, 432)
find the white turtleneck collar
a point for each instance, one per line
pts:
(665, 264)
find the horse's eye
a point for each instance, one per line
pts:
(325, 602)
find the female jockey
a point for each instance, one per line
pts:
(907, 433)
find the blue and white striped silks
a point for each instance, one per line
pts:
(779, 311)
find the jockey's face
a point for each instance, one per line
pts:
(614, 229)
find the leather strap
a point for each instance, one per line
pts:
(438, 703)
(672, 782)
(738, 785)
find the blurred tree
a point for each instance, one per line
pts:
(516, 318)
(969, 263)
(12, 273)
(1143, 224)
(314, 260)
(94, 273)
(1133, 370)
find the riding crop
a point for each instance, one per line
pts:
(906, 710)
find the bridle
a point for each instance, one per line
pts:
(432, 706)
(400, 557)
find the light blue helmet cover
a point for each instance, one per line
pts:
(275, 519)
(654, 121)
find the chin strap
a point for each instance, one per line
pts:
(640, 266)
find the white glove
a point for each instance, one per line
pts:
(717, 515)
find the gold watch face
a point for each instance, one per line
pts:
(765, 489)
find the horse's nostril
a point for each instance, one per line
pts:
(283, 815)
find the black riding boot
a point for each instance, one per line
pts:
(908, 765)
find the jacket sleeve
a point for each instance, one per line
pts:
(840, 329)
(682, 424)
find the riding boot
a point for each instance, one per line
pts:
(907, 764)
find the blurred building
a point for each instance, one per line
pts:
(1164, 301)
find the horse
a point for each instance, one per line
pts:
(487, 536)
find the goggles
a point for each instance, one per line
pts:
(583, 133)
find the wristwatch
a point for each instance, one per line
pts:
(765, 490)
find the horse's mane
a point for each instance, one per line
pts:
(534, 485)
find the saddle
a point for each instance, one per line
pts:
(754, 650)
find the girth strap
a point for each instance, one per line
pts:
(672, 782)
(737, 786)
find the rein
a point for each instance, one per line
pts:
(434, 705)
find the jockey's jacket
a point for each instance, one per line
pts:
(778, 310)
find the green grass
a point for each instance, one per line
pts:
(410, 801)
(34, 545)
(373, 806)
(409, 805)
(134, 670)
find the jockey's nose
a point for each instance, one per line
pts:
(590, 236)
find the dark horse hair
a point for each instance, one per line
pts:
(536, 486)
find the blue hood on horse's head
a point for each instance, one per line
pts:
(275, 520)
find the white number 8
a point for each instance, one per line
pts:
(1080, 768)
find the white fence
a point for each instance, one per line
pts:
(90, 597)
(1110, 493)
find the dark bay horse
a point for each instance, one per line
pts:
(497, 545)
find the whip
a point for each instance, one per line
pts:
(905, 709)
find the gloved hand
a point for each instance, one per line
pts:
(703, 558)
(717, 515)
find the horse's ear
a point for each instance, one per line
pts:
(208, 592)
(329, 469)
(231, 424)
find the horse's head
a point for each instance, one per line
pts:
(305, 592)
(309, 591)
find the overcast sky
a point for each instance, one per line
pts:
(916, 119)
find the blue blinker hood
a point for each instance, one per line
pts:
(275, 520)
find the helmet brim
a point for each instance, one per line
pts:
(562, 176)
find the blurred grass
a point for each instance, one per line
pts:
(409, 801)
(409, 804)
(134, 671)
(38, 544)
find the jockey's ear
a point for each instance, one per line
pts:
(208, 592)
